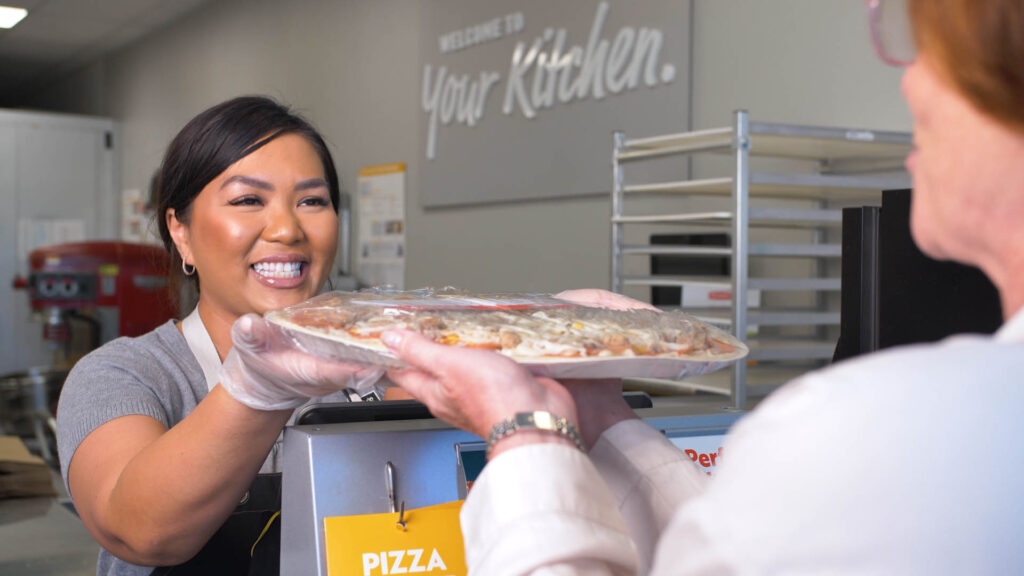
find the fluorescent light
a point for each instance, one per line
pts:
(10, 16)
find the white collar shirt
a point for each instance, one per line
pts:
(901, 462)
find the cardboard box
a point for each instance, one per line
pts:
(715, 296)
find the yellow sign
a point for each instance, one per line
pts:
(376, 545)
(108, 270)
(381, 169)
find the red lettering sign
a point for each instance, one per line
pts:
(706, 460)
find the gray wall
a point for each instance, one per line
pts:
(796, 61)
(352, 67)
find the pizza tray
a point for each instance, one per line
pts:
(343, 347)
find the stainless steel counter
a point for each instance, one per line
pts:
(40, 537)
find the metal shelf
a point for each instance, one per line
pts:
(759, 249)
(825, 143)
(796, 284)
(766, 284)
(778, 140)
(759, 217)
(850, 164)
(771, 185)
(761, 380)
(768, 317)
(764, 349)
(683, 143)
(675, 250)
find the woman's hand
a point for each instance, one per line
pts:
(475, 389)
(265, 371)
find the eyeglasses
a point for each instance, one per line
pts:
(891, 32)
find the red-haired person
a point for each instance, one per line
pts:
(903, 462)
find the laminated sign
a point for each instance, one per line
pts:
(421, 541)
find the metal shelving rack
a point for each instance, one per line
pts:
(851, 164)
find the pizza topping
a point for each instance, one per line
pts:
(510, 339)
(615, 343)
(431, 323)
(519, 326)
(449, 339)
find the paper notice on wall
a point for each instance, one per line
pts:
(33, 233)
(137, 223)
(381, 220)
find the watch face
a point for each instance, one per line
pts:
(539, 420)
(543, 420)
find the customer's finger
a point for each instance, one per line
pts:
(416, 382)
(457, 410)
(436, 359)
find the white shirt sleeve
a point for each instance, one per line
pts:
(904, 462)
(649, 479)
(557, 518)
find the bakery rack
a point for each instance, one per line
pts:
(847, 164)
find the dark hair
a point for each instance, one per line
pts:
(214, 140)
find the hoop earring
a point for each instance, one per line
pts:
(184, 268)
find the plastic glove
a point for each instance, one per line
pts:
(597, 298)
(266, 371)
(469, 388)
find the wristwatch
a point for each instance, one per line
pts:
(539, 420)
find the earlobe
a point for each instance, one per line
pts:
(178, 232)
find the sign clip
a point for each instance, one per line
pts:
(389, 477)
(401, 517)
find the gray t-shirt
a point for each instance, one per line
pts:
(155, 375)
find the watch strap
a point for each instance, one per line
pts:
(537, 420)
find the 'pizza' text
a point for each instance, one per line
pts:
(401, 562)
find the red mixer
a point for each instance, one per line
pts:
(116, 288)
(87, 293)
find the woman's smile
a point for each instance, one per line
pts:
(281, 271)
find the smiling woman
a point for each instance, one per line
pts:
(162, 436)
(221, 136)
(262, 235)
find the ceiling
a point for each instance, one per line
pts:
(59, 36)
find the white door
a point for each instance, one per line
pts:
(51, 168)
(11, 302)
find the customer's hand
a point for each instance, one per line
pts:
(265, 370)
(599, 403)
(473, 389)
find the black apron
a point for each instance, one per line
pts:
(249, 541)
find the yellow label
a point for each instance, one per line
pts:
(375, 545)
(108, 269)
(381, 169)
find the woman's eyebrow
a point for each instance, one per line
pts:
(311, 184)
(248, 181)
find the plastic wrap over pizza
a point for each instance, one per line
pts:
(551, 337)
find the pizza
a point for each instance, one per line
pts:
(531, 329)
